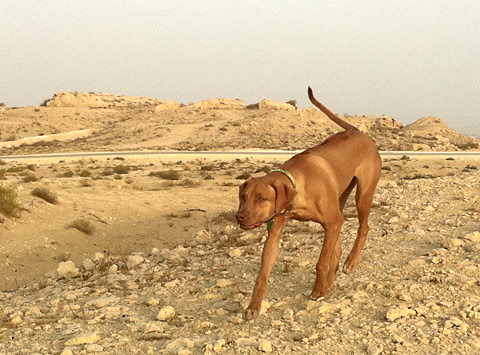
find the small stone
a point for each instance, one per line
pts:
(16, 320)
(66, 352)
(93, 348)
(113, 269)
(265, 306)
(98, 256)
(374, 349)
(203, 236)
(153, 301)
(134, 260)
(166, 313)
(395, 313)
(89, 338)
(101, 302)
(155, 251)
(452, 243)
(88, 264)
(67, 269)
(393, 220)
(155, 327)
(473, 237)
(265, 346)
(217, 347)
(224, 283)
(235, 253)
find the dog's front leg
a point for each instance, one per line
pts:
(323, 282)
(270, 252)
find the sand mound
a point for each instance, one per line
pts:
(430, 124)
(100, 100)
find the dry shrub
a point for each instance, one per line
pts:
(30, 178)
(189, 183)
(9, 206)
(166, 175)
(83, 225)
(121, 169)
(46, 195)
(243, 176)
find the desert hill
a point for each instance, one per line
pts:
(126, 122)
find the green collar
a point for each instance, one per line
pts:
(288, 175)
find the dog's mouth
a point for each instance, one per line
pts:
(250, 226)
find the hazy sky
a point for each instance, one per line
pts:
(405, 58)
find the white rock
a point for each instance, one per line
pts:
(235, 253)
(67, 269)
(166, 313)
(89, 338)
(224, 283)
(67, 352)
(393, 220)
(113, 269)
(265, 346)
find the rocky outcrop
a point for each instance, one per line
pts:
(266, 104)
(100, 100)
(167, 105)
(219, 104)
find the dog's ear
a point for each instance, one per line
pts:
(285, 195)
(242, 187)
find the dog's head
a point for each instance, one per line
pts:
(261, 199)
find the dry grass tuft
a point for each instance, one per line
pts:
(83, 225)
(46, 195)
(166, 175)
(9, 206)
(30, 178)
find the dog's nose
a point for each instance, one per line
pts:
(239, 217)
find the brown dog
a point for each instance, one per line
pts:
(313, 186)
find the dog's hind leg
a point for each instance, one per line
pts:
(337, 253)
(363, 199)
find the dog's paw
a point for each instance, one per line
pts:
(350, 265)
(250, 314)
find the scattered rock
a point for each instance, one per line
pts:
(265, 346)
(67, 269)
(81, 339)
(166, 313)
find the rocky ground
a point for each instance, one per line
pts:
(416, 289)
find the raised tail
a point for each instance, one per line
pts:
(329, 113)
